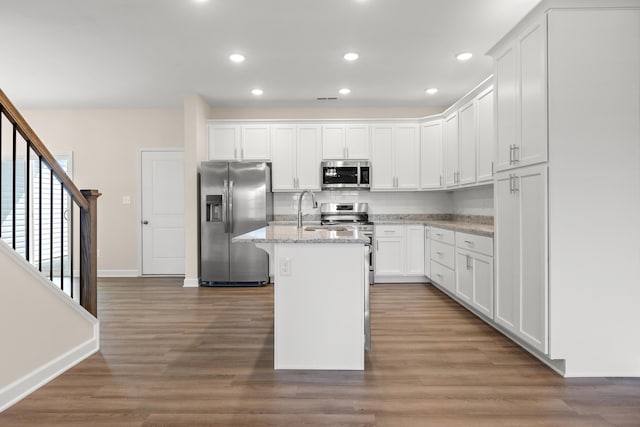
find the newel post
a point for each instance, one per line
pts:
(89, 253)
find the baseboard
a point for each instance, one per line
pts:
(118, 273)
(191, 283)
(26, 385)
(400, 279)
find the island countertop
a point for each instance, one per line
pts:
(311, 233)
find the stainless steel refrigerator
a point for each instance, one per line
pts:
(235, 198)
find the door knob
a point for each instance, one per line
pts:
(145, 222)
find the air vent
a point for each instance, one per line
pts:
(332, 98)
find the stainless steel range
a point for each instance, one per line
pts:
(355, 215)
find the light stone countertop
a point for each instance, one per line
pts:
(291, 234)
(463, 226)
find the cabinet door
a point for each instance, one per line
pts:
(482, 266)
(431, 155)
(256, 143)
(506, 106)
(464, 275)
(333, 137)
(407, 154)
(521, 254)
(486, 134)
(390, 256)
(308, 158)
(382, 158)
(283, 158)
(223, 142)
(507, 251)
(531, 190)
(532, 147)
(415, 250)
(427, 251)
(450, 145)
(467, 143)
(357, 142)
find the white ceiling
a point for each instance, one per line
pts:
(149, 53)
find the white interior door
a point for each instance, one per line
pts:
(162, 212)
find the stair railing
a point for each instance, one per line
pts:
(37, 205)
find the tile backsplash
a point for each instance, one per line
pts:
(470, 201)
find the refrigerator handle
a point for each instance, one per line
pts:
(225, 192)
(231, 206)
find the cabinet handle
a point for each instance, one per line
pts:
(510, 183)
(511, 154)
(438, 274)
(439, 234)
(469, 242)
(377, 245)
(492, 172)
(469, 263)
(440, 253)
(440, 180)
(516, 153)
(235, 153)
(516, 184)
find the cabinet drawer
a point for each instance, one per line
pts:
(442, 235)
(389, 230)
(476, 243)
(443, 276)
(442, 253)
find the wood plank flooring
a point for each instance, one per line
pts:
(174, 356)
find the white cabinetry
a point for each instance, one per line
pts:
(521, 254)
(467, 137)
(431, 155)
(296, 157)
(521, 99)
(395, 157)
(399, 253)
(443, 258)
(450, 146)
(427, 251)
(390, 247)
(239, 142)
(341, 141)
(474, 271)
(485, 134)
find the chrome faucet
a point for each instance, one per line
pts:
(313, 199)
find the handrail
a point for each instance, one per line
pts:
(28, 134)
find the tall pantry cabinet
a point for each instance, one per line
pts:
(567, 187)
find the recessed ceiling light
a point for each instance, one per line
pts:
(464, 56)
(431, 91)
(345, 91)
(236, 57)
(257, 92)
(351, 56)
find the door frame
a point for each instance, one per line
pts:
(139, 195)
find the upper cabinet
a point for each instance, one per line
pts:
(239, 142)
(485, 134)
(431, 155)
(450, 145)
(296, 157)
(521, 99)
(467, 143)
(341, 141)
(395, 157)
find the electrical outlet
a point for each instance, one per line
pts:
(126, 200)
(285, 266)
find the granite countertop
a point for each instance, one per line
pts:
(474, 224)
(280, 233)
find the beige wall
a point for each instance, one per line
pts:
(38, 326)
(106, 146)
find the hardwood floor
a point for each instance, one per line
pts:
(174, 356)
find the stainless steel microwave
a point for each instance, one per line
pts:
(346, 175)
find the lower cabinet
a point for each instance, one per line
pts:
(462, 264)
(399, 253)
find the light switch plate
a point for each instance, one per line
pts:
(126, 200)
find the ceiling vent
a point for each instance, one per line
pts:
(331, 98)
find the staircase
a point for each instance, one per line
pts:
(48, 255)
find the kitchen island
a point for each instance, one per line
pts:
(321, 288)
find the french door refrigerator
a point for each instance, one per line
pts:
(235, 198)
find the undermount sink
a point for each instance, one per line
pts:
(324, 227)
